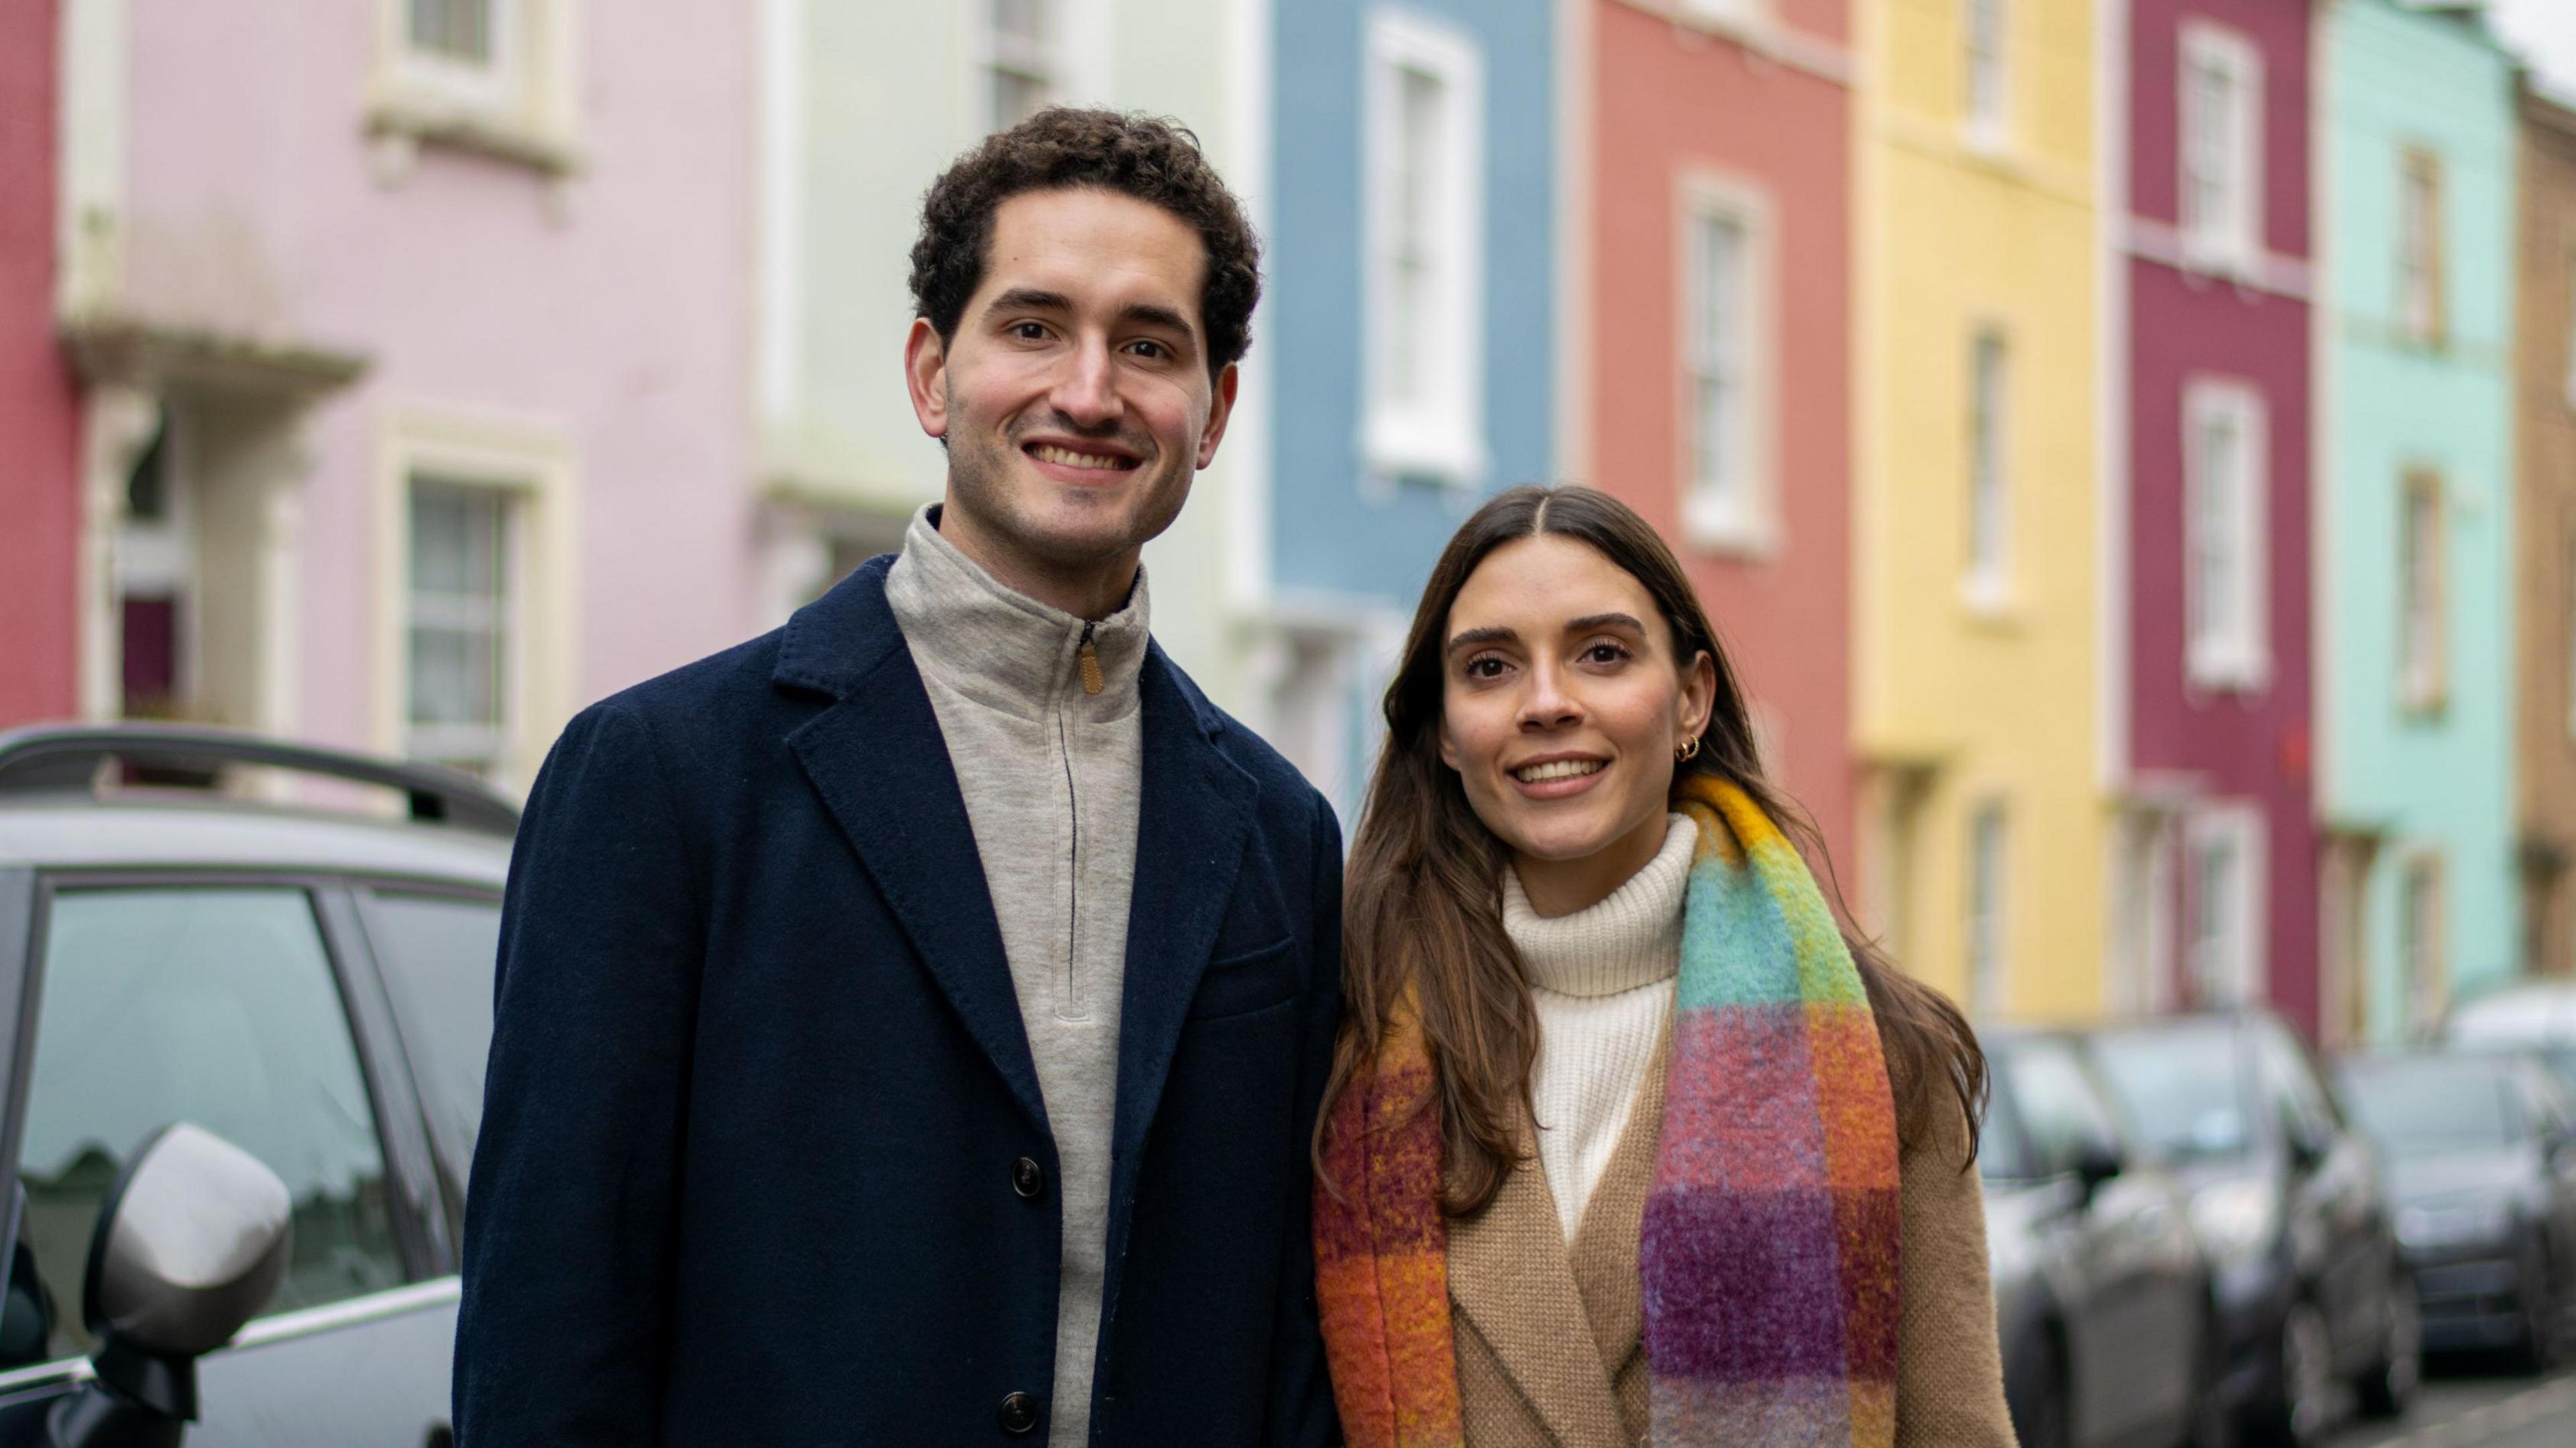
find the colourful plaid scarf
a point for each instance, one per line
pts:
(1769, 1248)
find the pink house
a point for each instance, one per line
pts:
(2208, 646)
(39, 509)
(413, 344)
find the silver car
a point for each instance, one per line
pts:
(2102, 1294)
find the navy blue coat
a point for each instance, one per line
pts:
(758, 1081)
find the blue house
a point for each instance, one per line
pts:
(1410, 330)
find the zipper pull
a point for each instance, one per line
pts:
(1089, 658)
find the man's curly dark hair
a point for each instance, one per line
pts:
(1153, 160)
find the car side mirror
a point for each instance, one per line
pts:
(2306, 1152)
(2097, 1163)
(190, 1242)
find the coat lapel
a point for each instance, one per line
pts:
(877, 758)
(1510, 1274)
(1191, 825)
(1605, 1250)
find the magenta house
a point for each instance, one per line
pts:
(39, 509)
(2207, 655)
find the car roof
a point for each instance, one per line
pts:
(2536, 1013)
(167, 832)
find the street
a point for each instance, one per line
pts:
(2480, 1407)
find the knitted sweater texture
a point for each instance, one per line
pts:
(1052, 777)
(1602, 979)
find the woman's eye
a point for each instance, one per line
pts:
(1484, 668)
(1604, 653)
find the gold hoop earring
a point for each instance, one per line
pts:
(1689, 750)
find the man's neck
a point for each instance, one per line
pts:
(1092, 591)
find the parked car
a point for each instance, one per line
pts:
(2102, 1296)
(2288, 1203)
(2537, 1016)
(2482, 1168)
(311, 985)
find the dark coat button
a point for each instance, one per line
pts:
(1028, 1178)
(1019, 1414)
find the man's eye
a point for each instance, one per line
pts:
(1155, 350)
(1029, 331)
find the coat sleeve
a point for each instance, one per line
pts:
(1301, 1390)
(569, 1225)
(1949, 1368)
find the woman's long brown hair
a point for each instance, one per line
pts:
(1423, 898)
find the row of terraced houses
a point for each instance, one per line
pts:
(2129, 445)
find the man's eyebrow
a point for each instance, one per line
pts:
(1154, 315)
(1469, 638)
(1030, 299)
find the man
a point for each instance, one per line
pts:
(910, 1023)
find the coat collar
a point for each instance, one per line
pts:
(1512, 1277)
(877, 758)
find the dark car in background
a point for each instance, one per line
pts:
(2481, 1151)
(2102, 1297)
(309, 984)
(2289, 1205)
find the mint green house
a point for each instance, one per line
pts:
(860, 107)
(2414, 516)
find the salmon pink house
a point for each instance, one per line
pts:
(1710, 382)
(39, 507)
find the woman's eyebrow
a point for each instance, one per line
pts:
(1592, 621)
(1470, 638)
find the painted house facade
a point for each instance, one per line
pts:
(1411, 328)
(861, 107)
(413, 374)
(2214, 898)
(39, 408)
(2544, 589)
(1713, 339)
(1977, 637)
(2415, 494)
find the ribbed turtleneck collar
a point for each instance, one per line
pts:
(1003, 649)
(1633, 937)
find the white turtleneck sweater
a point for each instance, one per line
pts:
(1603, 980)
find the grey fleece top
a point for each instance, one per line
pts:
(1052, 779)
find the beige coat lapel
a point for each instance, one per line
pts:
(1604, 1253)
(1510, 1276)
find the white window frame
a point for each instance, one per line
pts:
(1986, 79)
(470, 744)
(2423, 643)
(2228, 967)
(1738, 511)
(2232, 239)
(1986, 580)
(2423, 938)
(1989, 906)
(523, 106)
(1440, 436)
(2422, 294)
(535, 463)
(2234, 653)
(1729, 14)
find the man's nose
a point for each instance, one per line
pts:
(1087, 390)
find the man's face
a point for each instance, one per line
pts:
(1075, 398)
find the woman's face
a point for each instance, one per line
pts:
(1561, 706)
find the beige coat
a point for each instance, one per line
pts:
(1549, 1334)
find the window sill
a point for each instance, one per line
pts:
(1454, 463)
(1728, 535)
(402, 123)
(2243, 680)
(1990, 605)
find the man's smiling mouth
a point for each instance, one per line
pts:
(1047, 452)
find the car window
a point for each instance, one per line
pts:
(437, 952)
(2062, 1116)
(2180, 1086)
(2546, 1102)
(2291, 1092)
(2430, 1105)
(2001, 1154)
(215, 1005)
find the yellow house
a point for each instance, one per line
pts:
(1975, 688)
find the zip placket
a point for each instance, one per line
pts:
(1075, 1001)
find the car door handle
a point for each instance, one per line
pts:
(440, 1436)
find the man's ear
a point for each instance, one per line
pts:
(925, 374)
(1219, 410)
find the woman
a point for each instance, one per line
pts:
(1625, 1142)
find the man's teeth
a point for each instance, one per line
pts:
(1067, 457)
(1558, 769)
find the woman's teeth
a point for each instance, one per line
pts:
(1067, 457)
(1557, 769)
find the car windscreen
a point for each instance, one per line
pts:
(438, 952)
(2181, 1088)
(2428, 1105)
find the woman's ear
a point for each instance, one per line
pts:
(1448, 750)
(1699, 694)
